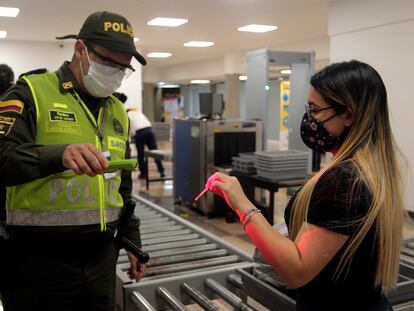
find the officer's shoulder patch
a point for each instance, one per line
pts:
(6, 125)
(119, 130)
(67, 85)
(33, 72)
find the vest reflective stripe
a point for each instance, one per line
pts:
(60, 218)
(62, 120)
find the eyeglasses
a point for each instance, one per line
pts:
(310, 110)
(103, 60)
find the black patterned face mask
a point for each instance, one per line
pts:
(315, 135)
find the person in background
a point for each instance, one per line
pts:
(143, 135)
(58, 130)
(6, 78)
(6, 81)
(345, 224)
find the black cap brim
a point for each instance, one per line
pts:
(110, 46)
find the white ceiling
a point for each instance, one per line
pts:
(209, 20)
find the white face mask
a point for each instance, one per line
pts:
(101, 80)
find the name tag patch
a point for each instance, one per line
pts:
(56, 115)
(115, 143)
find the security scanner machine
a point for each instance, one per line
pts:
(189, 266)
(204, 146)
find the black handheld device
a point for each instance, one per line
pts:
(120, 238)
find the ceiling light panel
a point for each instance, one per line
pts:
(200, 81)
(169, 86)
(257, 28)
(199, 44)
(159, 55)
(286, 71)
(167, 22)
(8, 12)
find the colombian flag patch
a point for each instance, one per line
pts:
(11, 106)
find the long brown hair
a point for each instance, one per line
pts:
(371, 148)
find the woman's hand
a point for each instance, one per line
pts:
(229, 188)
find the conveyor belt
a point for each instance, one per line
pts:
(189, 265)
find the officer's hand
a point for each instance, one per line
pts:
(137, 269)
(84, 159)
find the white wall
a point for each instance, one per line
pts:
(26, 56)
(380, 32)
(231, 63)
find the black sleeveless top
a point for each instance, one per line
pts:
(337, 205)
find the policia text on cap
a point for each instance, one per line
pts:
(57, 132)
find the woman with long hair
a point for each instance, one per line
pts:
(345, 224)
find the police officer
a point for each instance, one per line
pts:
(57, 132)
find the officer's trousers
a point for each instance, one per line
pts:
(61, 275)
(146, 137)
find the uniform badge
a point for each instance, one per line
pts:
(67, 85)
(6, 125)
(119, 130)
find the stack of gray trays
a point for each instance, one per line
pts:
(287, 164)
(244, 163)
(161, 131)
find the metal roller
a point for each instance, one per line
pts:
(407, 306)
(145, 214)
(191, 265)
(163, 234)
(167, 239)
(227, 295)
(184, 250)
(161, 224)
(161, 229)
(186, 257)
(157, 247)
(155, 218)
(171, 300)
(200, 298)
(235, 280)
(408, 252)
(141, 302)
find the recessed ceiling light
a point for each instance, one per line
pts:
(199, 44)
(257, 28)
(242, 78)
(200, 81)
(136, 39)
(167, 22)
(159, 55)
(169, 86)
(286, 71)
(3, 34)
(8, 12)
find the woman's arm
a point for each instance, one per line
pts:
(297, 262)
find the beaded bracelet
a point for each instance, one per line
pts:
(249, 215)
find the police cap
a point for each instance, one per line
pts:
(110, 30)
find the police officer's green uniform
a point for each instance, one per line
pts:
(62, 224)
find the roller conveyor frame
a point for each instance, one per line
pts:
(147, 287)
(235, 272)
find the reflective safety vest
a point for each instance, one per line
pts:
(65, 199)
